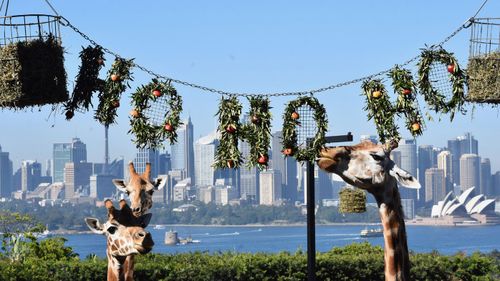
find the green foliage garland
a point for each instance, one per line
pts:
(115, 85)
(290, 134)
(87, 80)
(380, 110)
(405, 88)
(230, 130)
(431, 95)
(258, 132)
(147, 134)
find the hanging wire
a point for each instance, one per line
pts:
(66, 22)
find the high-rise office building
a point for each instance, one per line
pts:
(249, 177)
(204, 151)
(322, 184)
(485, 177)
(425, 160)
(444, 162)
(182, 152)
(435, 186)
(63, 153)
(102, 187)
(76, 178)
(5, 175)
(270, 187)
(495, 191)
(31, 175)
(470, 165)
(146, 155)
(287, 167)
(165, 165)
(408, 150)
(465, 144)
(396, 157)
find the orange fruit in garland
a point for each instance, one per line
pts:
(115, 103)
(287, 151)
(115, 77)
(157, 93)
(134, 113)
(262, 159)
(377, 94)
(168, 127)
(230, 164)
(231, 129)
(406, 92)
(100, 61)
(451, 68)
(295, 116)
(415, 127)
(255, 119)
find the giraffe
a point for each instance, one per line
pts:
(140, 189)
(368, 166)
(125, 237)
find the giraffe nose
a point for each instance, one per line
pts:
(136, 210)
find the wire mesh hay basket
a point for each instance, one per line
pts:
(352, 200)
(484, 61)
(31, 61)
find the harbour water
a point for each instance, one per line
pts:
(272, 239)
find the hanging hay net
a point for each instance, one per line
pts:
(439, 77)
(352, 200)
(307, 127)
(484, 61)
(31, 61)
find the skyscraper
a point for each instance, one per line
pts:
(435, 187)
(485, 178)
(270, 187)
(465, 144)
(5, 175)
(287, 167)
(31, 174)
(444, 162)
(76, 178)
(408, 149)
(146, 155)
(205, 149)
(182, 152)
(469, 171)
(425, 160)
(76, 152)
(249, 177)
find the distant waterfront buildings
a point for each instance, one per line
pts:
(182, 152)
(408, 150)
(5, 174)
(469, 171)
(287, 166)
(146, 155)
(76, 151)
(270, 187)
(485, 177)
(205, 149)
(444, 162)
(465, 144)
(76, 178)
(435, 185)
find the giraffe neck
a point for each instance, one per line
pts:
(396, 259)
(120, 268)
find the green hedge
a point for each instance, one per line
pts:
(353, 262)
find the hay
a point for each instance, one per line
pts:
(484, 78)
(352, 200)
(32, 73)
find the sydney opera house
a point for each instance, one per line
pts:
(464, 209)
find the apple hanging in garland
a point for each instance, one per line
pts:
(451, 68)
(406, 92)
(100, 61)
(262, 159)
(157, 93)
(230, 164)
(377, 94)
(115, 77)
(287, 151)
(115, 103)
(295, 115)
(255, 119)
(134, 113)
(169, 127)
(415, 127)
(231, 129)
(69, 114)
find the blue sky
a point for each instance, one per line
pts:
(253, 46)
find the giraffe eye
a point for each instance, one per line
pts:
(377, 157)
(112, 229)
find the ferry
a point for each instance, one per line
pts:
(372, 232)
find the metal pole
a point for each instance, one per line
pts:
(311, 230)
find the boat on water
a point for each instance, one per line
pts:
(372, 232)
(159, 226)
(172, 239)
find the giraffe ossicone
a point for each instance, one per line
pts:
(140, 189)
(369, 167)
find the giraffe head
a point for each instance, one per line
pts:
(140, 189)
(125, 233)
(365, 165)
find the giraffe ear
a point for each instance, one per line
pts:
(145, 219)
(120, 184)
(404, 178)
(160, 183)
(94, 225)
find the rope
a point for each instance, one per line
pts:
(65, 22)
(51, 7)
